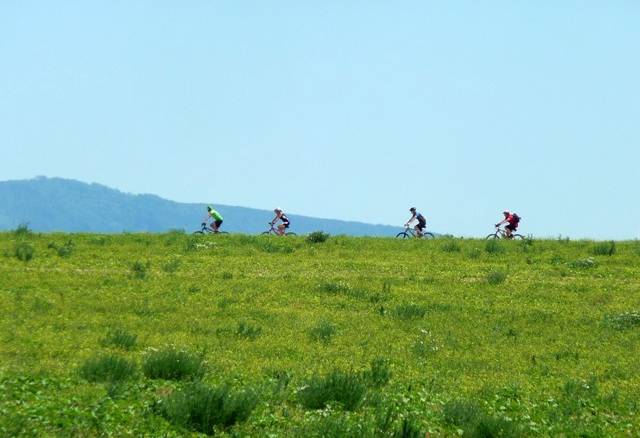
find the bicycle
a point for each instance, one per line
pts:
(410, 232)
(208, 230)
(501, 234)
(274, 230)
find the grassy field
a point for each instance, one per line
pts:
(171, 335)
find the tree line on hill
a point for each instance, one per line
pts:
(56, 204)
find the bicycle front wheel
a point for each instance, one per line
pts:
(493, 236)
(265, 233)
(403, 235)
(198, 232)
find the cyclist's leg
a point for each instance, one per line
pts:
(216, 225)
(280, 229)
(508, 230)
(418, 230)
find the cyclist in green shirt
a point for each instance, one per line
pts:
(215, 216)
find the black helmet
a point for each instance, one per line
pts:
(412, 209)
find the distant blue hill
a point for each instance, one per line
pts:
(56, 204)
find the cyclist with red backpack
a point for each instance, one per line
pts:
(512, 219)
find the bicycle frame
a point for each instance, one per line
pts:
(409, 229)
(274, 230)
(500, 233)
(206, 229)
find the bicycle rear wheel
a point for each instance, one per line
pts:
(428, 235)
(290, 234)
(519, 237)
(403, 235)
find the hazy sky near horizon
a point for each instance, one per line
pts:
(342, 109)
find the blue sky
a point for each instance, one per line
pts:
(354, 110)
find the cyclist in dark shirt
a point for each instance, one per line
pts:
(422, 222)
(282, 217)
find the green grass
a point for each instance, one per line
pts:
(172, 364)
(107, 368)
(409, 311)
(346, 337)
(24, 251)
(380, 372)
(496, 277)
(347, 389)
(323, 331)
(120, 338)
(208, 410)
(317, 237)
(604, 248)
(248, 331)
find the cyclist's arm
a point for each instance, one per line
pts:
(411, 219)
(501, 222)
(273, 221)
